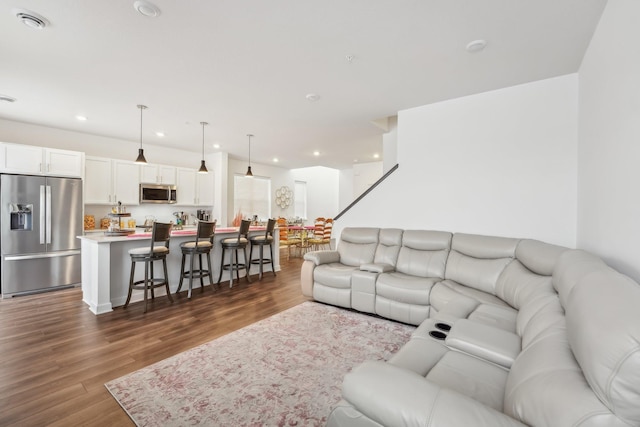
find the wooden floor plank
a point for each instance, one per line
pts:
(56, 355)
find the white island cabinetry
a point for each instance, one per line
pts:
(106, 265)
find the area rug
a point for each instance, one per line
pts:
(284, 370)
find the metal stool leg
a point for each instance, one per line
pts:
(166, 278)
(210, 269)
(181, 272)
(247, 263)
(273, 268)
(191, 255)
(221, 266)
(133, 269)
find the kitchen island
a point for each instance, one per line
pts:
(106, 265)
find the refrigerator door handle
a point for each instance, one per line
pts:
(42, 214)
(48, 214)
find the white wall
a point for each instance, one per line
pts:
(609, 152)
(322, 191)
(390, 145)
(364, 176)
(498, 163)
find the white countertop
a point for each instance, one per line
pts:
(99, 236)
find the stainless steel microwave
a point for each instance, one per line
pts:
(158, 193)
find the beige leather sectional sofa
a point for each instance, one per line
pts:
(510, 332)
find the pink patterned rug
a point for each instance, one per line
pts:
(282, 371)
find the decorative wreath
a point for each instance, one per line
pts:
(284, 196)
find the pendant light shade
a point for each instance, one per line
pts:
(249, 174)
(203, 167)
(141, 158)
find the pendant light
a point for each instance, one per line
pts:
(249, 174)
(203, 167)
(141, 158)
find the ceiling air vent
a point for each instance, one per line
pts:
(31, 19)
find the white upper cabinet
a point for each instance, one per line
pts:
(158, 174)
(108, 181)
(186, 187)
(29, 159)
(126, 182)
(204, 186)
(63, 162)
(194, 189)
(97, 181)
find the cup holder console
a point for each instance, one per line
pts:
(437, 335)
(443, 326)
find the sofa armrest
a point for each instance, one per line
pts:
(377, 268)
(392, 396)
(322, 257)
(486, 342)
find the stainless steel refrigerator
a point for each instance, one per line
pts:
(39, 221)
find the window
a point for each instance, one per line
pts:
(252, 196)
(300, 200)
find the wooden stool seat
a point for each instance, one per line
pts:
(261, 241)
(233, 245)
(149, 254)
(201, 246)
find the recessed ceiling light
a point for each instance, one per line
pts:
(275, 160)
(349, 58)
(81, 118)
(147, 9)
(30, 19)
(216, 145)
(476, 46)
(316, 153)
(7, 98)
(160, 134)
(376, 155)
(313, 97)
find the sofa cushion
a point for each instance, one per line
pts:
(358, 245)
(480, 296)
(335, 275)
(537, 256)
(386, 395)
(390, 241)
(603, 320)
(484, 247)
(497, 316)
(477, 273)
(405, 288)
(517, 284)
(423, 253)
(572, 266)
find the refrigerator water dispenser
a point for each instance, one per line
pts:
(21, 216)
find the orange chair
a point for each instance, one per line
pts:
(318, 233)
(286, 241)
(328, 228)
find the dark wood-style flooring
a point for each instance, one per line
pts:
(55, 355)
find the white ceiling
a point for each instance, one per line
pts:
(246, 66)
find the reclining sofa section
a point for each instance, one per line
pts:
(510, 332)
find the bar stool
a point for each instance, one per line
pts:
(261, 241)
(234, 244)
(201, 246)
(154, 252)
